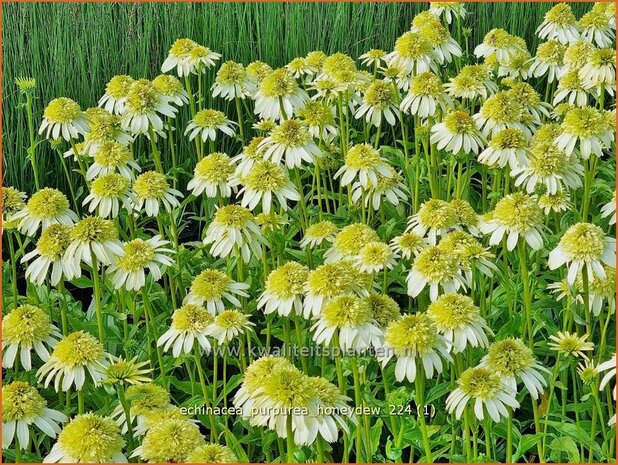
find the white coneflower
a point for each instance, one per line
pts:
(512, 360)
(374, 257)
(600, 70)
(116, 91)
(73, 356)
(143, 104)
(22, 407)
(264, 181)
(599, 291)
(489, 393)
(460, 321)
(425, 95)
(413, 53)
(589, 127)
(233, 81)
(189, 324)
(467, 217)
(437, 268)
(49, 251)
(570, 344)
(384, 309)
(349, 241)
(211, 287)
(448, 10)
(88, 438)
(498, 42)
(129, 269)
(584, 246)
(111, 157)
(457, 133)
(291, 142)
(169, 440)
(249, 155)
(257, 70)
(466, 85)
(172, 88)
(320, 120)
(298, 67)
(595, 27)
(435, 218)
(211, 175)
(558, 202)
(518, 65)
(178, 57)
(516, 215)
(389, 187)
(228, 325)
(284, 289)
(338, 76)
(107, 193)
(373, 57)
(279, 96)
(92, 237)
(609, 209)
(350, 318)
(416, 344)
(64, 118)
(26, 328)
(408, 244)
(445, 48)
(549, 167)
(548, 60)
(151, 190)
(379, 100)
(12, 201)
(470, 253)
(503, 110)
(363, 161)
(572, 89)
(234, 229)
(610, 367)
(212, 453)
(201, 58)
(46, 207)
(145, 401)
(559, 24)
(125, 371)
(207, 122)
(317, 233)
(104, 127)
(327, 282)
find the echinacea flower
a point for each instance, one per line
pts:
(228, 325)
(47, 206)
(558, 202)
(234, 229)
(250, 154)
(548, 60)
(485, 387)
(559, 24)
(437, 268)
(498, 42)
(435, 218)
(425, 95)
(258, 70)
(373, 57)
(291, 142)
(284, 289)
(126, 371)
(600, 290)
(92, 239)
(13, 201)
(207, 122)
(27, 328)
(595, 27)
(349, 241)
(363, 161)
(151, 190)
(570, 344)
(144, 400)
(107, 193)
(319, 119)
(460, 321)
(178, 57)
(390, 188)
(210, 287)
(201, 58)
(457, 133)
(137, 256)
(111, 157)
(384, 309)
(415, 342)
(319, 232)
(169, 440)
(49, 252)
(142, 107)
(600, 70)
(171, 88)
(212, 453)
(379, 100)
(264, 181)
(584, 248)
(189, 325)
(279, 97)
(22, 407)
(325, 283)
(116, 91)
(233, 81)
(449, 10)
(374, 257)
(64, 118)
(609, 209)
(516, 215)
(412, 53)
(408, 244)
(211, 175)
(513, 360)
(572, 89)
(587, 126)
(73, 356)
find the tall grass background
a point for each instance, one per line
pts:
(73, 49)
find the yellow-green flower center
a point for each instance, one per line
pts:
(510, 357)
(231, 73)
(62, 110)
(150, 185)
(583, 241)
(191, 318)
(94, 229)
(112, 154)
(233, 216)
(137, 255)
(210, 284)
(379, 94)
(231, 319)
(330, 279)
(453, 311)
(460, 122)
(215, 168)
(20, 401)
(119, 86)
(78, 349)
(289, 387)
(498, 38)
(25, 325)
(352, 238)
(561, 15)
(287, 281)
(436, 264)
(291, 133)
(167, 85)
(111, 185)
(437, 214)
(480, 383)
(259, 70)
(427, 84)
(47, 203)
(363, 157)
(412, 45)
(383, 308)
(90, 438)
(209, 118)
(142, 97)
(375, 253)
(171, 440)
(317, 114)
(54, 241)
(146, 398)
(279, 83)
(518, 212)
(584, 122)
(12, 201)
(182, 47)
(212, 453)
(551, 52)
(266, 176)
(413, 334)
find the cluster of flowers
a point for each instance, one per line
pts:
(547, 152)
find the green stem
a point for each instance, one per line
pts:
(527, 298)
(200, 372)
(97, 296)
(289, 438)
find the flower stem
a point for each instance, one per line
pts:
(289, 438)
